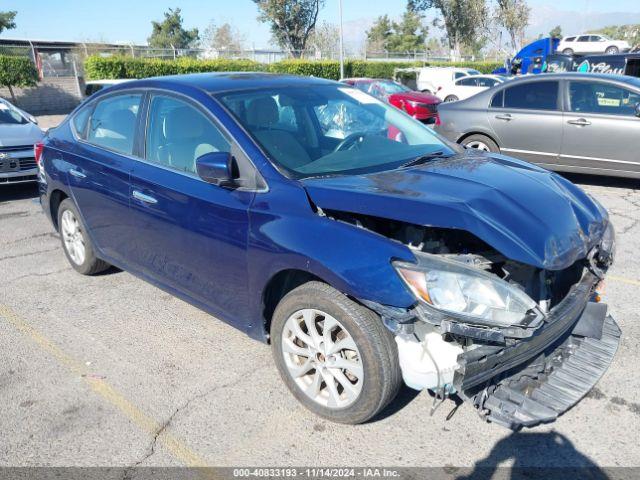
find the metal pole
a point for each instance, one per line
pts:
(341, 44)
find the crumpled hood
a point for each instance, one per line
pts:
(18, 135)
(527, 213)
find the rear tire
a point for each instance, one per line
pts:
(612, 50)
(451, 98)
(367, 350)
(568, 51)
(481, 142)
(75, 241)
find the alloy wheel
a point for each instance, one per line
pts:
(73, 237)
(478, 145)
(322, 358)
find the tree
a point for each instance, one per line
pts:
(292, 21)
(630, 33)
(325, 38)
(17, 72)
(170, 33)
(556, 32)
(407, 35)
(463, 20)
(7, 20)
(225, 38)
(513, 15)
(379, 33)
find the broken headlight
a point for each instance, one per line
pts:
(608, 245)
(466, 293)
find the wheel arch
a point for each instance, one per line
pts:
(478, 132)
(56, 197)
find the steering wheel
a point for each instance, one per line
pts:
(349, 141)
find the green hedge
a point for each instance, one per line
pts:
(125, 67)
(17, 71)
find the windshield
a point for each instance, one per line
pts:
(330, 129)
(391, 87)
(9, 115)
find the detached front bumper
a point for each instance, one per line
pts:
(536, 379)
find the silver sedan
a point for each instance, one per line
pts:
(573, 122)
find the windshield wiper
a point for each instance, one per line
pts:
(422, 159)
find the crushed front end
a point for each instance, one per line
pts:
(521, 343)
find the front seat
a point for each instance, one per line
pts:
(262, 117)
(184, 135)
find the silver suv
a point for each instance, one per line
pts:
(572, 122)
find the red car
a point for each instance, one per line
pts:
(421, 106)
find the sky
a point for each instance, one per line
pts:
(129, 21)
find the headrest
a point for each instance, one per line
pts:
(262, 112)
(121, 121)
(182, 124)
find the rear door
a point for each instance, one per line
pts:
(99, 166)
(600, 126)
(527, 120)
(191, 235)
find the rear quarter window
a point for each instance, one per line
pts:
(80, 121)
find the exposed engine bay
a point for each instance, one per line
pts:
(449, 346)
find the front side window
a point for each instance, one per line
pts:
(487, 82)
(113, 123)
(606, 99)
(532, 96)
(178, 133)
(340, 130)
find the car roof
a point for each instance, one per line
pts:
(226, 81)
(113, 81)
(577, 76)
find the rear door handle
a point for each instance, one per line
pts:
(582, 122)
(77, 173)
(505, 116)
(144, 198)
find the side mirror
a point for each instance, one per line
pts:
(216, 168)
(637, 110)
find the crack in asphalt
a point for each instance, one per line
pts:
(29, 275)
(28, 254)
(23, 213)
(165, 425)
(32, 237)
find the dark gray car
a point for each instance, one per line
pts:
(574, 122)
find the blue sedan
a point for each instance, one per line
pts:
(365, 248)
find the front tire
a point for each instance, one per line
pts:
(451, 98)
(481, 142)
(75, 242)
(612, 50)
(334, 355)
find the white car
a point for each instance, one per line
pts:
(18, 134)
(432, 79)
(466, 87)
(592, 44)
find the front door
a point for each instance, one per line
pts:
(191, 236)
(527, 121)
(599, 127)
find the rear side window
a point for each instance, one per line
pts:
(179, 133)
(80, 121)
(487, 82)
(584, 38)
(113, 123)
(460, 75)
(497, 100)
(532, 96)
(468, 82)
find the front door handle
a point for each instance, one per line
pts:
(506, 116)
(144, 198)
(581, 122)
(77, 173)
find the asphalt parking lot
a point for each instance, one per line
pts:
(110, 371)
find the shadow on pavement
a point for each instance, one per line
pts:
(532, 455)
(602, 181)
(19, 191)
